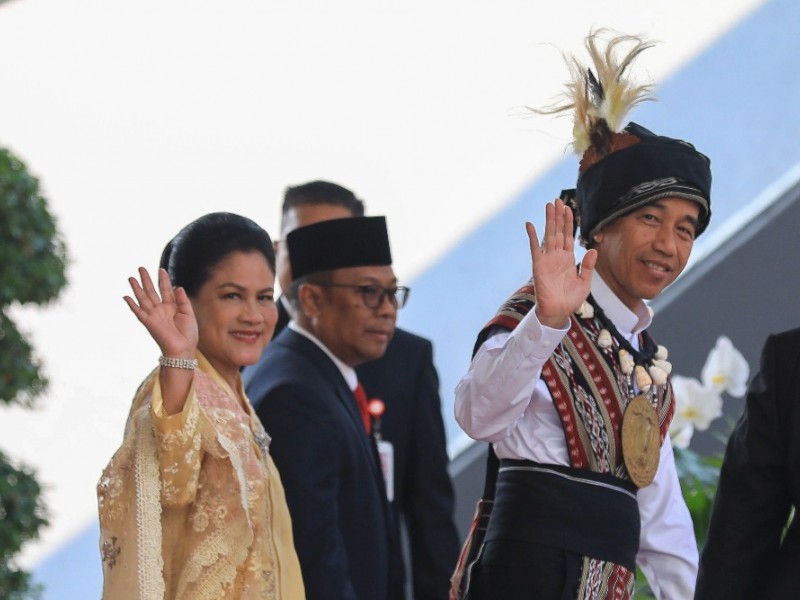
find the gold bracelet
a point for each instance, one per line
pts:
(177, 363)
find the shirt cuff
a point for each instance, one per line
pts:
(163, 422)
(537, 341)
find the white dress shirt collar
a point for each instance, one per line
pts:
(348, 372)
(627, 322)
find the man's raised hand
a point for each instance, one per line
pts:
(560, 287)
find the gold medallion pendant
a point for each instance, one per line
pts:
(641, 440)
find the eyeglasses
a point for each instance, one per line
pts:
(373, 295)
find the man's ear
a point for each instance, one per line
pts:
(309, 297)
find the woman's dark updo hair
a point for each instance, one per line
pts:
(192, 254)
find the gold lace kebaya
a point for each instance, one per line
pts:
(191, 505)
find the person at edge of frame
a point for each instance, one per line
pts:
(753, 545)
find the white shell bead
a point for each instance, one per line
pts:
(626, 362)
(643, 380)
(664, 365)
(604, 339)
(586, 311)
(658, 374)
(661, 353)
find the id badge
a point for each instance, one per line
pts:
(386, 453)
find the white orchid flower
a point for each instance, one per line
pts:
(684, 415)
(726, 370)
(695, 403)
(681, 436)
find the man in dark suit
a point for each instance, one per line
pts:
(749, 552)
(306, 393)
(405, 379)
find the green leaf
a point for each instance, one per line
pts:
(699, 476)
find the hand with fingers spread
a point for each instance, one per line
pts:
(560, 287)
(169, 317)
(170, 320)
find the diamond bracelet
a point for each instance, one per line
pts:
(177, 363)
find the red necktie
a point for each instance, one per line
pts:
(363, 408)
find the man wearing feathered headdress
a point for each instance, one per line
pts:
(574, 395)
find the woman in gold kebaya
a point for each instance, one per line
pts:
(191, 505)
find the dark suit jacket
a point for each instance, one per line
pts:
(329, 468)
(406, 380)
(744, 556)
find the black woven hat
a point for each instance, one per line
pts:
(654, 167)
(622, 169)
(339, 244)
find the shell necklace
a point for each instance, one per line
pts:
(641, 439)
(648, 365)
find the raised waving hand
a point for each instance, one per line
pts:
(560, 287)
(169, 317)
(170, 320)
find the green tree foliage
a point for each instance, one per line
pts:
(21, 517)
(32, 265)
(31, 271)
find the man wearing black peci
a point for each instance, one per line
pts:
(405, 379)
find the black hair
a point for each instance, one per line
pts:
(322, 192)
(191, 255)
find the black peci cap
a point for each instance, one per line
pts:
(339, 244)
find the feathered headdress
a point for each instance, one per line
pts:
(623, 169)
(601, 101)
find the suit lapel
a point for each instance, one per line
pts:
(298, 343)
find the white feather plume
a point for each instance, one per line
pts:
(601, 96)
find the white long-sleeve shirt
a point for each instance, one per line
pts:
(502, 399)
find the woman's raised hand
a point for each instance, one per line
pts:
(560, 287)
(169, 317)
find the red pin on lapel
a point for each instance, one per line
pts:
(376, 408)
